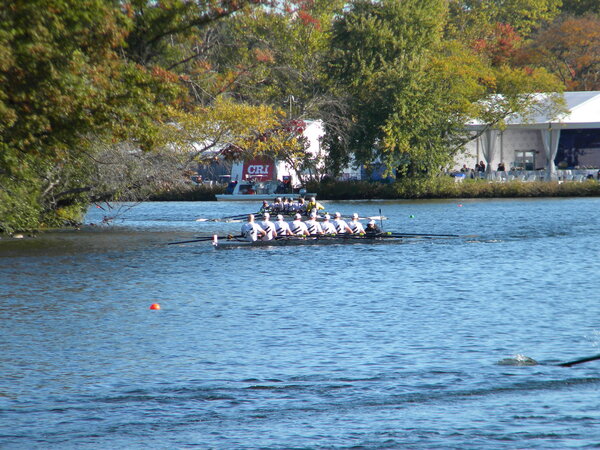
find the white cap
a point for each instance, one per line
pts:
(279, 217)
(327, 217)
(337, 214)
(313, 215)
(298, 216)
(355, 216)
(371, 222)
(266, 215)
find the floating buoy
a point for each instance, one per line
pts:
(154, 306)
(411, 217)
(18, 236)
(459, 205)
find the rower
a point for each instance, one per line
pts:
(327, 226)
(372, 228)
(357, 227)
(341, 226)
(298, 227)
(277, 205)
(251, 230)
(282, 228)
(312, 225)
(301, 205)
(313, 206)
(269, 227)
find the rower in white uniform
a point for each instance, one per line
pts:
(251, 230)
(341, 226)
(327, 226)
(269, 227)
(282, 228)
(298, 227)
(312, 225)
(357, 227)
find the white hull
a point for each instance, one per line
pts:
(257, 197)
(248, 197)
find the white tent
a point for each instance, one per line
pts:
(534, 135)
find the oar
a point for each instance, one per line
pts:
(421, 235)
(226, 218)
(204, 239)
(579, 361)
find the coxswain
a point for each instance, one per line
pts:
(298, 227)
(312, 225)
(265, 207)
(251, 230)
(372, 228)
(327, 226)
(269, 227)
(282, 228)
(341, 226)
(357, 227)
(313, 206)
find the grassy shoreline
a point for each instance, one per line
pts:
(435, 188)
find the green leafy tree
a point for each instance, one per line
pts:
(473, 19)
(379, 56)
(408, 93)
(79, 76)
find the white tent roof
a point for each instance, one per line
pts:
(583, 111)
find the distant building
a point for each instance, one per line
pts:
(570, 141)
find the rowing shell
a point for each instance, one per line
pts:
(244, 217)
(299, 240)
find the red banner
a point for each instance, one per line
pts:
(258, 169)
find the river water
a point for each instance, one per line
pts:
(360, 346)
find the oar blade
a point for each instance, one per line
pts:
(579, 361)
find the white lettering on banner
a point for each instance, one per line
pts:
(258, 169)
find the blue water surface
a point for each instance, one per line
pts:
(336, 346)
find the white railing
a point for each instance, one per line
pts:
(578, 175)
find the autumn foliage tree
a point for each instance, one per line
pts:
(569, 48)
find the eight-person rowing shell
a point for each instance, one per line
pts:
(267, 230)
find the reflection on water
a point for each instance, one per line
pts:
(332, 346)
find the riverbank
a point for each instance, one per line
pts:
(436, 188)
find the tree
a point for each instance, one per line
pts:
(378, 57)
(580, 7)
(473, 19)
(409, 94)
(62, 79)
(569, 48)
(78, 77)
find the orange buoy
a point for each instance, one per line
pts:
(154, 306)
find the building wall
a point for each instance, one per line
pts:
(507, 143)
(520, 140)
